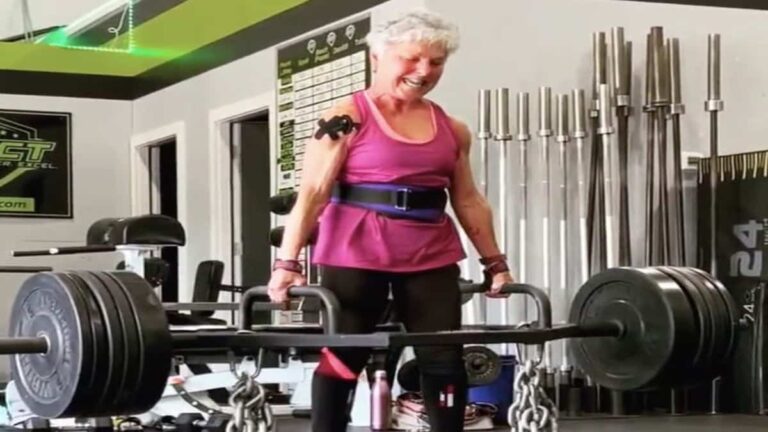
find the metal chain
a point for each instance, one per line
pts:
(250, 410)
(532, 409)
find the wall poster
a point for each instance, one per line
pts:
(35, 164)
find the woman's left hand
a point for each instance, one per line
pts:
(497, 282)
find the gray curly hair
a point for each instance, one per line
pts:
(415, 26)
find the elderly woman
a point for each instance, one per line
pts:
(378, 174)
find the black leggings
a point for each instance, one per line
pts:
(424, 301)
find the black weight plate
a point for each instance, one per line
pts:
(724, 324)
(100, 346)
(51, 384)
(88, 366)
(730, 304)
(155, 336)
(408, 376)
(658, 328)
(721, 333)
(700, 358)
(80, 404)
(114, 328)
(482, 364)
(704, 369)
(123, 403)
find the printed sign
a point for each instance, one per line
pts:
(35, 164)
(741, 254)
(313, 74)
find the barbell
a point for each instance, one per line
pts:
(97, 343)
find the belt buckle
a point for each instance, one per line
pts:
(401, 199)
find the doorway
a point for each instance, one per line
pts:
(249, 188)
(161, 161)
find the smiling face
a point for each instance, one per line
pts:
(408, 70)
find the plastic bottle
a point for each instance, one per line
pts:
(381, 402)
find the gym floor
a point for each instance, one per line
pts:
(740, 423)
(693, 423)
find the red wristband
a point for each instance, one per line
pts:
(497, 267)
(289, 265)
(493, 259)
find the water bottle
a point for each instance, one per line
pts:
(381, 402)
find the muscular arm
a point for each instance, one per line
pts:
(471, 208)
(323, 158)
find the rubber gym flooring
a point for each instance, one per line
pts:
(731, 423)
(703, 423)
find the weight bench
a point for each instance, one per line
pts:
(206, 289)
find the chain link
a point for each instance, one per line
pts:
(250, 410)
(532, 409)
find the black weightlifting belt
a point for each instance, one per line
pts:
(398, 201)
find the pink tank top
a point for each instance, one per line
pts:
(355, 237)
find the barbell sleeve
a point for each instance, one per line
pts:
(33, 345)
(618, 47)
(484, 134)
(660, 68)
(68, 250)
(330, 302)
(713, 67)
(599, 71)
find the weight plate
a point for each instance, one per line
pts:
(482, 365)
(51, 384)
(155, 337)
(658, 328)
(733, 310)
(114, 328)
(100, 346)
(720, 334)
(408, 376)
(702, 355)
(133, 350)
(87, 370)
(724, 324)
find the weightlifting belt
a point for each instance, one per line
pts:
(397, 201)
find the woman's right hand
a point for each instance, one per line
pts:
(280, 281)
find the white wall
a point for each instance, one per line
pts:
(43, 13)
(192, 102)
(100, 137)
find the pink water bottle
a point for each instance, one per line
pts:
(381, 401)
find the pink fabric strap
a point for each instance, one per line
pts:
(332, 366)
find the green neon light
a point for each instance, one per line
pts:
(59, 38)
